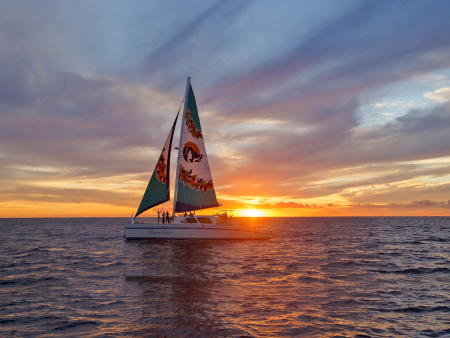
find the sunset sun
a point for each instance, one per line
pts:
(253, 213)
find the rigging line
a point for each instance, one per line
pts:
(199, 199)
(175, 182)
(174, 166)
(179, 109)
(184, 194)
(175, 192)
(179, 155)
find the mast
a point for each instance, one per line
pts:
(179, 146)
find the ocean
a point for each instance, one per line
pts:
(317, 277)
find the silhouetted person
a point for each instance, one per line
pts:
(163, 217)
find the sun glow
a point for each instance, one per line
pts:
(252, 213)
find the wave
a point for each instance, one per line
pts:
(342, 303)
(310, 279)
(417, 271)
(431, 333)
(116, 302)
(8, 321)
(393, 254)
(437, 239)
(112, 264)
(343, 264)
(414, 242)
(73, 324)
(28, 281)
(12, 265)
(418, 309)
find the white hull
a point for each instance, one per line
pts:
(179, 231)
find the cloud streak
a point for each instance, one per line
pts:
(280, 93)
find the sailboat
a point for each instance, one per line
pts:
(194, 189)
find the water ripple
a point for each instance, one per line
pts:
(319, 277)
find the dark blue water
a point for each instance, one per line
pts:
(319, 277)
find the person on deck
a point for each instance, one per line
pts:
(163, 217)
(158, 216)
(191, 216)
(167, 217)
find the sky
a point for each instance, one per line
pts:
(324, 108)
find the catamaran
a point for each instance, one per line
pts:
(194, 189)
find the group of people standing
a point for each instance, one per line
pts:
(165, 217)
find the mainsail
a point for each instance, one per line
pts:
(158, 190)
(194, 185)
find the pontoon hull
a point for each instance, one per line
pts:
(178, 231)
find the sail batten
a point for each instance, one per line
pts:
(158, 188)
(194, 184)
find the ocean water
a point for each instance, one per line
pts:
(317, 277)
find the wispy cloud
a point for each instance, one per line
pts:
(88, 93)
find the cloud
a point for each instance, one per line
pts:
(187, 45)
(91, 93)
(440, 95)
(288, 205)
(33, 194)
(393, 104)
(420, 205)
(383, 54)
(428, 203)
(283, 162)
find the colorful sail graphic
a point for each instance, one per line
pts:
(195, 189)
(158, 190)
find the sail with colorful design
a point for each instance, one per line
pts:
(194, 185)
(158, 189)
